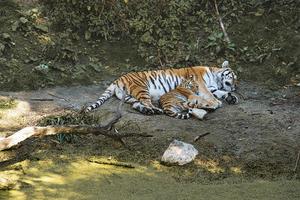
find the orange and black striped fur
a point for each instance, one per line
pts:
(178, 103)
(142, 88)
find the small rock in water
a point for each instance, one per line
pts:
(179, 153)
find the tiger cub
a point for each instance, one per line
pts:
(183, 101)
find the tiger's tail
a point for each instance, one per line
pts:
(109, 92)
(183, 116)
(178, 115)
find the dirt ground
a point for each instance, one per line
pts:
(252, 148)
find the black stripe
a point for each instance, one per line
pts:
(170, 88)
(141, 91)
(177, 81)
(162, 85)
(153, 82)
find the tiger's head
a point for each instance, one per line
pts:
(190, 84)
(227, 79)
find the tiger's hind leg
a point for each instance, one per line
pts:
(149, 107)
(144, 104)
(146, 108)
(141, 107)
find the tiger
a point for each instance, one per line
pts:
(179, 102)
(141, 89)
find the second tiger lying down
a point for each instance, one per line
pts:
(185, 100)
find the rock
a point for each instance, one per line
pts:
(2, 48)
(87, 35)
(33, 59)
(23, 20)
(43, 68)
(179, 153)
(6, 36)
(15, 26)
(96, 67)
(198, 113)
(41, 27)
(34, 10)
(26, 61)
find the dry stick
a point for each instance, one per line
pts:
(28, 132)
(221, 22)
(297, 161)
(57, 96)
(115, 163)
(38, 99)
(200, 136)
(106, 130)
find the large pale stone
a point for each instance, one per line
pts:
(179, 153)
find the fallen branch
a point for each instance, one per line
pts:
(7, 183)
(34, 131)
(114, 163)
(221, 22)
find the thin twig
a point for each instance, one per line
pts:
(297, 161)
(114, 163)
(38, 99)
(221, 22)
(57, 96)
(200, 136)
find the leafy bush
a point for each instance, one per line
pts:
(167, 32)
(99, 18)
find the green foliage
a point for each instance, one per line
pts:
(7, 103)
(218, 44)
(166, 31)
(97, 18)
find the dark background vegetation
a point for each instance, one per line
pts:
(72, 41)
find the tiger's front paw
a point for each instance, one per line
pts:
(231, 99)
(157, 110)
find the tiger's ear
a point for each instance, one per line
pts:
(225, 64)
